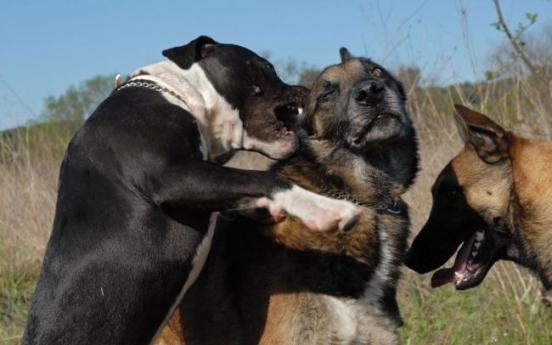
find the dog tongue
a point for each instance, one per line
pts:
(456, 272)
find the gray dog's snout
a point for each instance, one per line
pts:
(368, 92)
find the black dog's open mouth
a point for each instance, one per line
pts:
(471, 265)
(379, 127)
(286, 116)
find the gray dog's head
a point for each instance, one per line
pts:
(355, 117)
(356, 102)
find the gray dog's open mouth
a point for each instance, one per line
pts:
(380, 127)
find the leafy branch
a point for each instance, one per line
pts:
(515, 38)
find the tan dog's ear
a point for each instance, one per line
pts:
(489, 139)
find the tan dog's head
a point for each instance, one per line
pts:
(471, 200)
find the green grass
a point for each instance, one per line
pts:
(505, 309)
(488, 314)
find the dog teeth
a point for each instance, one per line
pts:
(300, 111)
(480, 235)
(474, 253)
(459, 275)
(477, 245)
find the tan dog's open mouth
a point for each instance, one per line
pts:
(470, 265)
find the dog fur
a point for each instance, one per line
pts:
(495, 196)
(280, 284)
(138, 187)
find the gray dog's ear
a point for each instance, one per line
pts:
(344, 53)
(185, 56)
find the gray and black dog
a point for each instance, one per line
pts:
(280, 284)
(138, 188)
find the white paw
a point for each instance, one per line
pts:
(319, 213)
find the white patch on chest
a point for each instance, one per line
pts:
(353, 322)
(219, 122)
(374, 288)
(344, 319)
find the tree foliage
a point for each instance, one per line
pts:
(518, 45)
(293, 72)
(77, 103)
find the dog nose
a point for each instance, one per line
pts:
(369, 92)
(415, 263)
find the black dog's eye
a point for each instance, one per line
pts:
(257, 91)
(270, 66)
(377, 72)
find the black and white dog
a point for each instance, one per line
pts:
(138, 188)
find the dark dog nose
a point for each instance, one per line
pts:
(369, 92)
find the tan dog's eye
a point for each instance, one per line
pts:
(376, 72)
(452, 193)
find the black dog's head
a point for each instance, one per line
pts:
(471, 200)
(358, 109)
(249, 84)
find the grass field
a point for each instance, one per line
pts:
(505, 309)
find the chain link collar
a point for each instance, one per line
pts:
(392, 207)
(148, 84)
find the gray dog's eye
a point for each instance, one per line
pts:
(377, 72)
(328, 90)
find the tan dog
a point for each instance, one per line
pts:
(496, 198)
(281, 284)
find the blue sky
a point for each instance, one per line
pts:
(47, 46)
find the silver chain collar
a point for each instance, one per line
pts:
(391, 207)
(148, 84)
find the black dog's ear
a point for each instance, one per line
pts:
(490, 141)
(185, 56)
(344, 53)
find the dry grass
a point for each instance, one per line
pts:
(28, 182)
(505, 309)
(28, 186)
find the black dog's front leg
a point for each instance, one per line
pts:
(201, 185)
